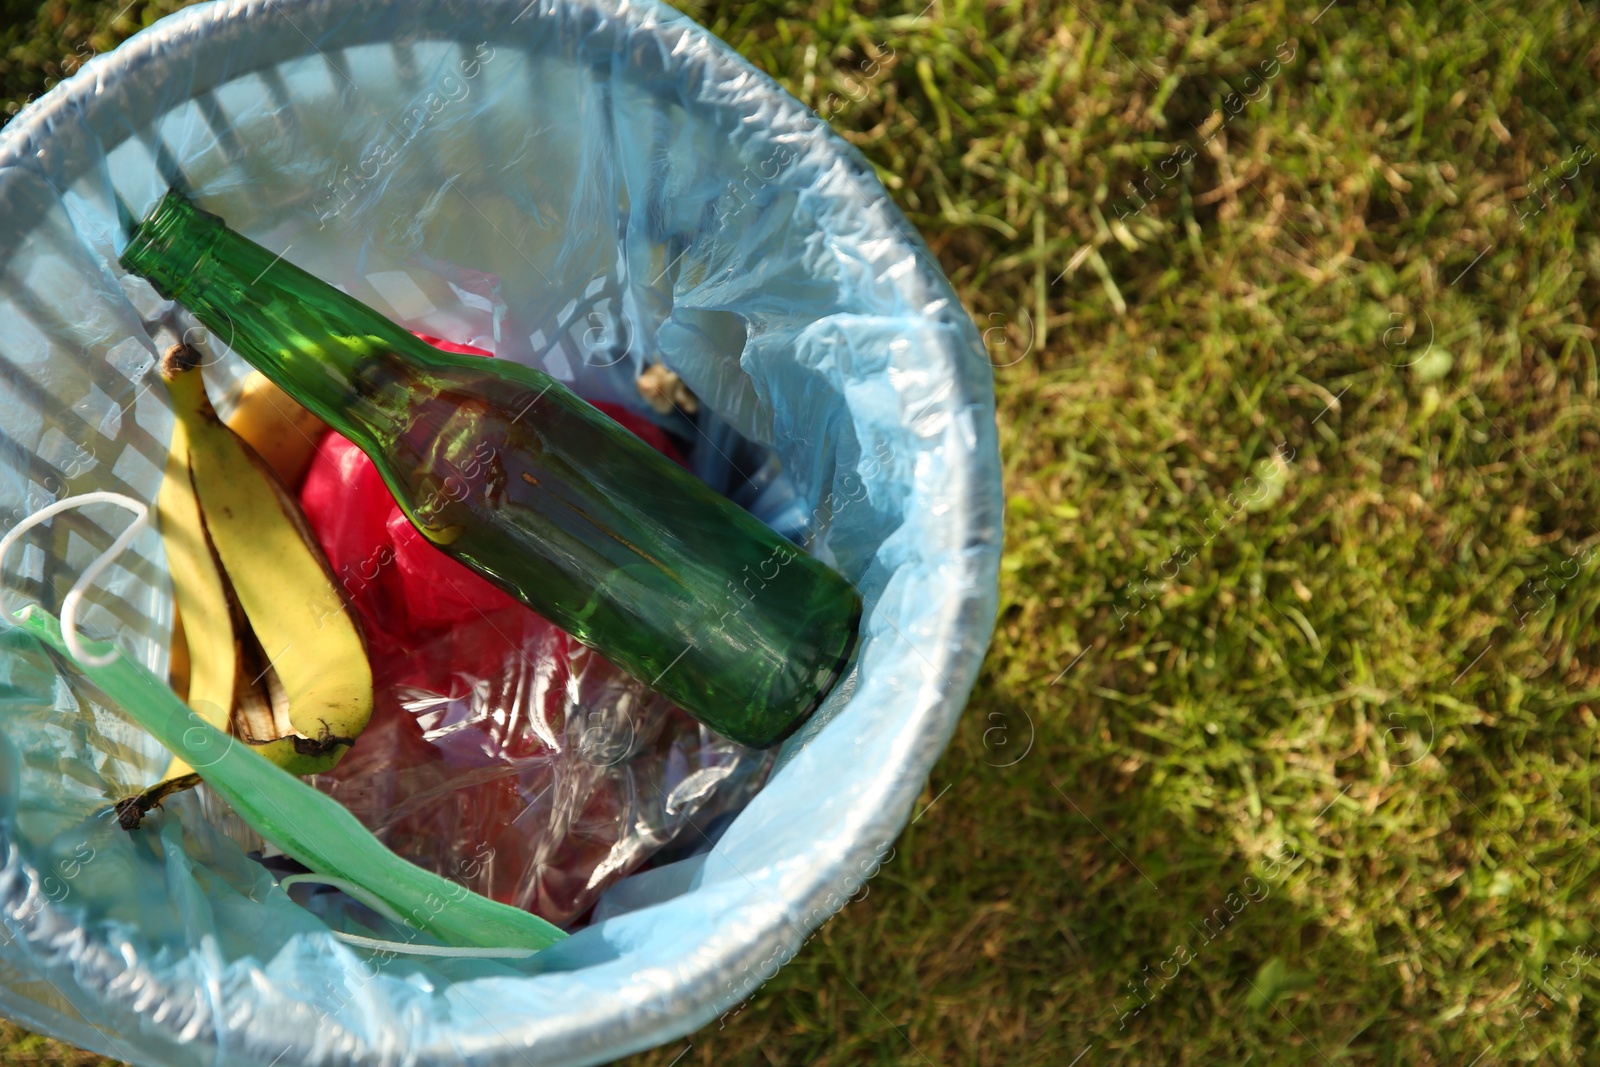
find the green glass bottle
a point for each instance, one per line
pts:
(514, 475)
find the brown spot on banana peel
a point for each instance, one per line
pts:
(307, 746)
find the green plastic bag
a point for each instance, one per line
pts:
(305, 825)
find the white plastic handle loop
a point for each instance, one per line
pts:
(74, 597)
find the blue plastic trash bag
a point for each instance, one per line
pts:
(588, 187)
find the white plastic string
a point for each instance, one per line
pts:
(74, 597)
(401, 948)
(397, 947)
(366, 897)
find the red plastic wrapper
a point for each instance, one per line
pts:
(501, 753)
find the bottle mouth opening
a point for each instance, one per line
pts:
(169, 243)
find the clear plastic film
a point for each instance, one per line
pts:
(588, 187)
(538, 777)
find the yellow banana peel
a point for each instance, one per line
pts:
(267, 659)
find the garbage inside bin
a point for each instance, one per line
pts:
(502, 467)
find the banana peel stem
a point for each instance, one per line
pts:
(132, 810)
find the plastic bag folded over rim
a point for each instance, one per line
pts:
(586, 187)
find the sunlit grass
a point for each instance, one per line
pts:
(1298, 401)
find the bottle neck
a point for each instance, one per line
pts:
(336, 356)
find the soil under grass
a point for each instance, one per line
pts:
(1283, 751)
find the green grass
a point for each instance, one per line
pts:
(1325, 692)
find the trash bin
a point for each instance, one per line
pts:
(584, 186)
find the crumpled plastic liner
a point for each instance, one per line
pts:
(539, 774)
(584, 186)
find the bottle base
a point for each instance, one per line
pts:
(835, 674)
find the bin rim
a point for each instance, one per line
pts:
(954, 651)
